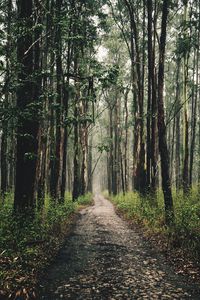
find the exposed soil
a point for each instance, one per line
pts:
(106, 259)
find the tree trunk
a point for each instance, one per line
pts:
(164, 155)
(4, 138)
(90, 164)
(66, 107)
(27, 127)
(126, 172)
(194, 111)
(185, 116)
(76, 182)
(59, 101)
(139, 174)
(111, 156)
(149, 101)
(178, 134)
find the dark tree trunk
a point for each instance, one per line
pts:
(76, 167)
(154, 126)
(64, 167)
(90, 165)
(27, 128)
(172, 149)
(116, 161)
(76, 182)
(43, 141)
(166, 182)
(185, 113)
(178, 137)
(84, 142)
(4, 138)
(139, 174)
(149, 103)
(37, 79)
(152, 106)
(66, 104)
(57, 176)
(84, 171)
(52, 140)
(126, 173)
(4, 162)
(122, 173)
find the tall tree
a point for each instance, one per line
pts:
(57, 170)
(27, 127)
(178, 129)
(185, 103)
(166, 182)
(139, 174)
(4, 138)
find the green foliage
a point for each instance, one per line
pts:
(85, 199)
(185, 232)
(141, 209)
(102, 148)
(28, 242)
(184, 46)
(17, 231)
(110, 76)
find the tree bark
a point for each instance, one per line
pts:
(4, 138)
(178, 130)
(185, 114)
(27, 127)
(57, 176)
(164, 155)
(194, 110)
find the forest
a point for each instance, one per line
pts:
(97, 97)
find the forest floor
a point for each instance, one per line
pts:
(104, 258)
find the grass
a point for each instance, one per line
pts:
(28, 243)
(186, 231)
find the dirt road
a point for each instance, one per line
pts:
(105, 259)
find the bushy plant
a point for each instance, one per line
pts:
(150, 211)
(85, 199)
(28, 241)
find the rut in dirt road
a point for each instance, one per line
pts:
(105, 259)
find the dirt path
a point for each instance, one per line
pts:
(105, 259)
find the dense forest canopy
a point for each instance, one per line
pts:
(99, 93)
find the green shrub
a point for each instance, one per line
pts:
(85, 199)
(186, 230)
(27, 242)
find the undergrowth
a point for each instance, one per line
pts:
(28, 242)
(150, 212)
